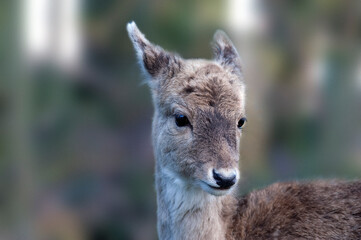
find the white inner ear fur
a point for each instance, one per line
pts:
(137, 36)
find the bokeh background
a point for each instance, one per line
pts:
(76, 158)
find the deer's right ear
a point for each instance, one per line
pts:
(157, 62)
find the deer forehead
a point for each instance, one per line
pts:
(204, 86)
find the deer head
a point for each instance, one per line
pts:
(199, 113)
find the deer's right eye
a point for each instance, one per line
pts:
(181, 120)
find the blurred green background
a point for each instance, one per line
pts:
(76, 155)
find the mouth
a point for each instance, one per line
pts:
(215, 190)
(219, 188)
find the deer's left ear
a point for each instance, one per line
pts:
(225, 53)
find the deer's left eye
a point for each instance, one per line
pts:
(241, 122)
(181, 120)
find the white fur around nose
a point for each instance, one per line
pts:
(226, 172)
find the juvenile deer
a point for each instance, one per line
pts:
(198, 119)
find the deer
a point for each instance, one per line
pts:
(199, 113)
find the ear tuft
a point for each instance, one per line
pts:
(155, 60)
(224, 51)
(138, 39)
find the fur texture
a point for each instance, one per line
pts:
(191, 203)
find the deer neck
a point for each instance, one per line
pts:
(187, 212)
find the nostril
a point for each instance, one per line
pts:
(216, 176)
(224, 182)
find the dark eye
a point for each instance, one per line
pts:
(241, 122)
(181, 120)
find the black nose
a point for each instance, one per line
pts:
(224, 182)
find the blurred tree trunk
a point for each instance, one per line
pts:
(19, 117)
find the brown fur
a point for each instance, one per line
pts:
(313, 210)
(191, 204)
